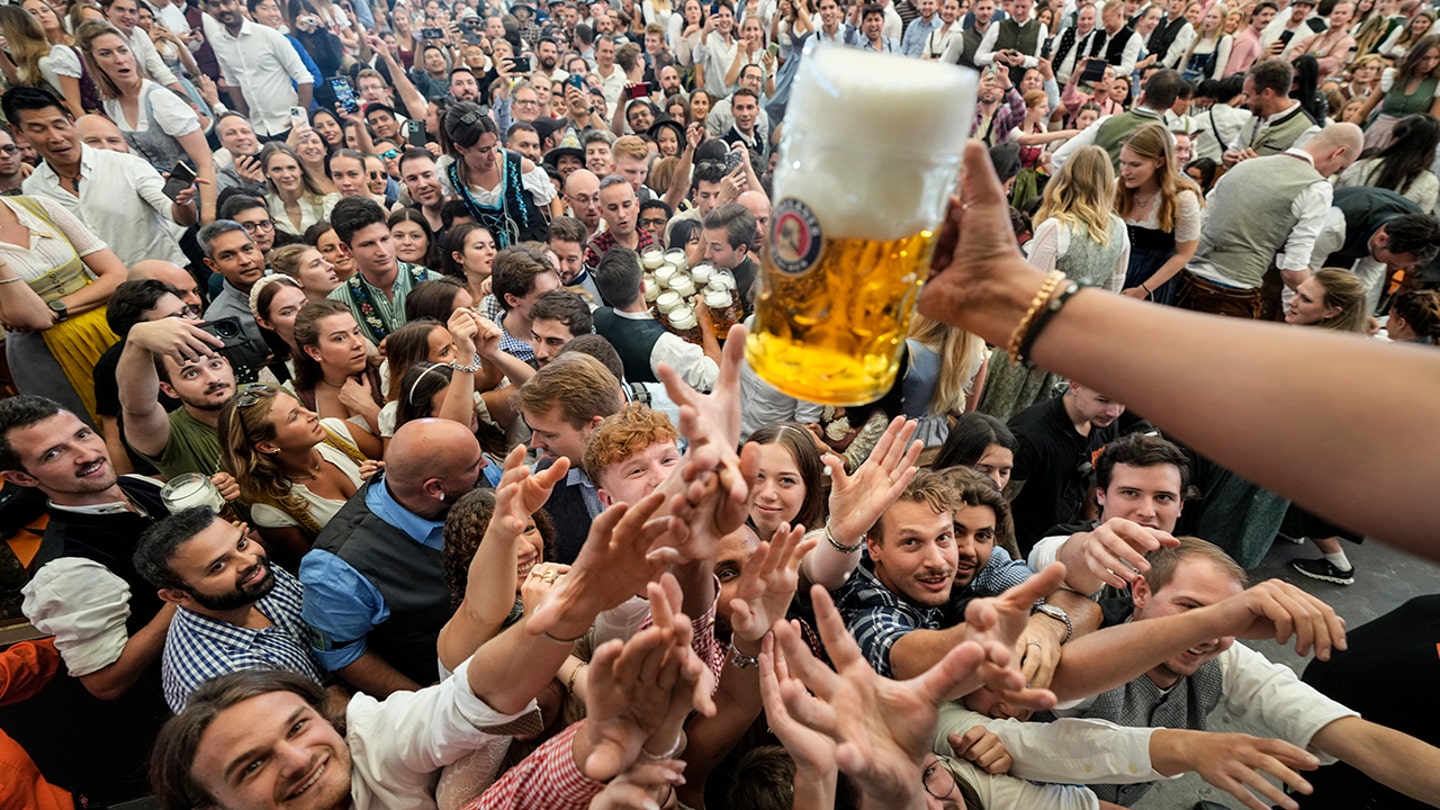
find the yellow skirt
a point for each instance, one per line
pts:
(76, 344)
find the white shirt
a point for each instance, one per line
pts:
(147, 58)
(612, 86)
(1052, 242)
(1178, 46)
(174, 117)
(1332, 237)
(1281, 24)
(682, 355)
(985, 53)
(173, 15)
(262, 63)
(1068, 750)
(398, 744)
(61, 61)
(1266, 698)
(714, 58)
(84, 605)
(122, 200)
(1217, 128)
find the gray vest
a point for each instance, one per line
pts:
(1117, 129)
(1248, 224)
(1142, 704)
(1280, 135)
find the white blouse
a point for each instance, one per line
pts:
(49, 246)
(321, 509)
(535, 181)
(61, 61)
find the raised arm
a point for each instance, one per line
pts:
(147, 426)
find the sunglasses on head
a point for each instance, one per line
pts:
(253, 393)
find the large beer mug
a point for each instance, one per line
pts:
(868, 161)
(191, 489)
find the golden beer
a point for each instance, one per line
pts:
(834, 334)
(868, 162)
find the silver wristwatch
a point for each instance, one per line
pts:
(1059, 615)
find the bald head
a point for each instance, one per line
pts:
(430, 463)
(759, 206)
(582, 181)
(1335, 147)
(170, 273)
(99, 132)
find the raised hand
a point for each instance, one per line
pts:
(1276, 609)
(175, 338)
(858, 499)
(642, 787)
(639, 687)
(882, 728)
(612, 566)
(767, 583)
(1235, 763)
(1112, 554)
(521, 493)
(998, 624)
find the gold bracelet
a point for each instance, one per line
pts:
(570, 681)
(1017, 338)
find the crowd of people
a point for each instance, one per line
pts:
(378, 430)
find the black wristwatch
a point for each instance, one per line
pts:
(60, 311)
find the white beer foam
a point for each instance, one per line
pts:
(873, 141)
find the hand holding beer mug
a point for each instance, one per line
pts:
(868, 161)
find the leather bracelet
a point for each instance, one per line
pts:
(841, 547)
(1022, 329)
(1042, 319)
(558, 640)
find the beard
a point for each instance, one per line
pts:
(242, 596)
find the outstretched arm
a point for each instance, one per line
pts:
(1278, 387)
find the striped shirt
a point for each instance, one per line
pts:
(198, 647)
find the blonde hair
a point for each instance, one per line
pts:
(1344, 291)
(630, 146)
(1200, 31)
(1081, 194)
(27, 44)
(241, 428)
(960, 359)
(1153, 142)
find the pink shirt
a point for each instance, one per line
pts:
(1244, 52)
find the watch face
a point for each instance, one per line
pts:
(58, 306)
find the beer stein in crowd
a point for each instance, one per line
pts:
(683, 286)
(652, 259)
(723, 312)
(652, 288)
(677, 258)
(700, 274)
(668, 302)
(684, 323)
(189, 490)
(858, 200)
(664, 273)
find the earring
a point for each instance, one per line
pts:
(442, 494)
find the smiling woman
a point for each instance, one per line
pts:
(295, 471)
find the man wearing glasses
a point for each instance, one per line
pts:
(11, 175)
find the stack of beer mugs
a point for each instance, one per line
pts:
(868, 161)
(673, 287)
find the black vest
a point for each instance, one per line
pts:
(633, 339)
(1164, 36)
(108, 761)
(1366, 209)
(409, 576)
(1060, 47)
(969, 44)
(1111, 49)
(567, 510)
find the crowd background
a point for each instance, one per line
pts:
(428, 300)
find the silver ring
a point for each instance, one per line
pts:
(1034, 644)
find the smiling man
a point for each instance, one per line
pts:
(108, 625)
(235, 611)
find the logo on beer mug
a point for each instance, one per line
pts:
(795, 239)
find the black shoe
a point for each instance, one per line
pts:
(1325, 571)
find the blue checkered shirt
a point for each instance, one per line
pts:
(877, 617)
(198, 647)
(491, 308)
